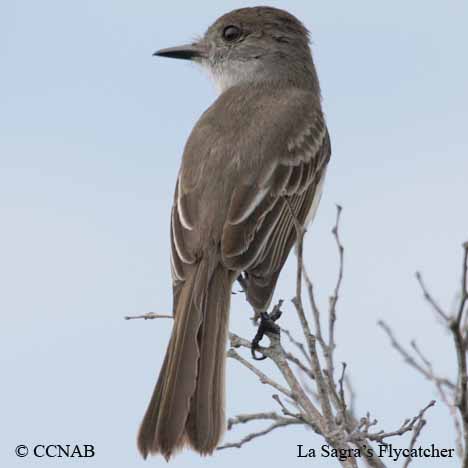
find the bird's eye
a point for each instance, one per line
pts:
(231, 33)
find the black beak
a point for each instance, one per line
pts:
(187, 52)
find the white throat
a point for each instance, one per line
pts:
(231, 73)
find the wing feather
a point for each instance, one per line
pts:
(246, 216)
(260, 241)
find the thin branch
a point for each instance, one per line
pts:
(148, 316)
(300, 233)
(299, 363)
(315, 311)
(296, 343)
(464, 285)
(380, 436)
(286, 412)
(254, 435)
(430, 299)
(342, 395)
(264, 379)
(334, 298)
(410, 359)
(416, 433)
(245, 418)
(421, 355)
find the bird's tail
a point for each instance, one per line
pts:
(187, 406)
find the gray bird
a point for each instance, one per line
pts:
(254, 161)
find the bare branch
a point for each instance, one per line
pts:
(464, 285)
(380, 436)
(430, 299)
(334, 298)
(254, 435)
(342, 395)
(264, 379)
(315, 311)
(300, 364)
(245, 418)
(416, 432)
(296, 343)
(410, 359)
(148, 316)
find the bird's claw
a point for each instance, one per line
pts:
(267, 325)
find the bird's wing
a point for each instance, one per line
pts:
(242, 182)
(260, 231)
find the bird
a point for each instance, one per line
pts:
(253, 166)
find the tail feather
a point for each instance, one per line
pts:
(188, 401)
(206, 422)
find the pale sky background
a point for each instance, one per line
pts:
(92, 128)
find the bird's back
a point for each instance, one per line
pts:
(232, 144)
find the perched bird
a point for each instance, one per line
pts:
(254, 163)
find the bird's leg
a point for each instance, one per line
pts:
(267, 325)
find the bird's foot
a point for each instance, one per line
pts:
(267, 325)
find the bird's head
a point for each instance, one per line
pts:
(251, 45)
